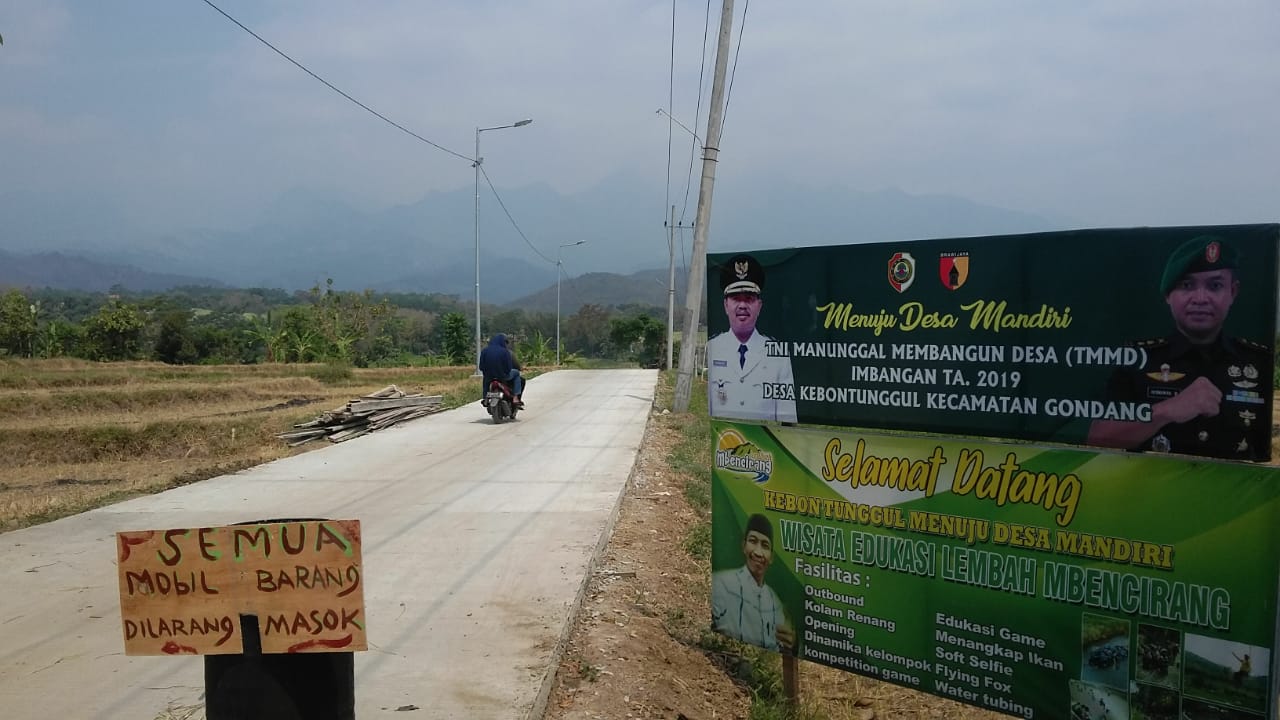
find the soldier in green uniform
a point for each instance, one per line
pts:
(1210, 394)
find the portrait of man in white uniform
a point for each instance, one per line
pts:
(743, 382)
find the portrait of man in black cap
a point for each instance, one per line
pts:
(742, 605)
(743, 382)
(1210, 394)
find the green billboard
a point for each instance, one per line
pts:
(1043, 583)
(1156, 339)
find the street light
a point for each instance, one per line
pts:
(559, 273)
(476, 165)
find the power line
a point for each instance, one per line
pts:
(734, 72)
(697, 111)
(385, 119)
(513, 220)
(330, 85)
(671, 83)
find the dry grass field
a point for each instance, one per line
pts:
(75, 434)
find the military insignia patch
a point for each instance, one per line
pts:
(1165, 374)
(902, 271)
(953, 269)
(1245, 396)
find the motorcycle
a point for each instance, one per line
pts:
(500, 401)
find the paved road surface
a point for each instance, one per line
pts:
(477, 542)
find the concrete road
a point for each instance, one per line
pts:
(477, 541)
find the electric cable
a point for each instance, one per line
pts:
(330, 85)
(513, 220)
(724, 117)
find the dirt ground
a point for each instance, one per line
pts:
(639, 645)
(622, 660)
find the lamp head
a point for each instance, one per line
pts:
(522, 123)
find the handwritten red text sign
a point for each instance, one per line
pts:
(182, 591)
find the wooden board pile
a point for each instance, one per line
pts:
(365, 414)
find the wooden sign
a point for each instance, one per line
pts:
(183, 591)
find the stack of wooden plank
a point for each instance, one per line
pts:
(365, 414)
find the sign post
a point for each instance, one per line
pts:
(277, 608)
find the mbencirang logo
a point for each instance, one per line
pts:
(736, 454)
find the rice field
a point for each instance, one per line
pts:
(76, 435)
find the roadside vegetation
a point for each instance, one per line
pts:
(214, 326)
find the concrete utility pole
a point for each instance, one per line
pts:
(702, 222)
(671, 286)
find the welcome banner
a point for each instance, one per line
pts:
(1067, 337)
(1044, 583)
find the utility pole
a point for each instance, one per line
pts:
(671, 286)
(702, 222)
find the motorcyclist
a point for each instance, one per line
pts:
(497, 362)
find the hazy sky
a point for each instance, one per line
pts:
(1109, 112)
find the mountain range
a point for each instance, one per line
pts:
(429, 246)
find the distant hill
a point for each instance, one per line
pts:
(644, 288)
(69, 272)
(429, 246)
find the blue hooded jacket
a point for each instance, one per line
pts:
(496, 361)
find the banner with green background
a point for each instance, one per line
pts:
(1044, 583)
(1001, 337)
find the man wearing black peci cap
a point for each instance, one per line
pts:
(1210, 394)
(742, 605)
(742, 380)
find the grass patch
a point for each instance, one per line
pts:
(331, 373)
(758, 670)
(698, 542)
(587, 671)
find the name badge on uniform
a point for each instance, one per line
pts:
(720, 363)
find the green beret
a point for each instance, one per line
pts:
(1199, 254)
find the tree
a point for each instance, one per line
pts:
(639, 338)
(17, 324)
(115, 332)
(456, 339)
(61, 338)
(300, 337)
(174, 343)
(587, 331)
(260, 332)
(348, 324)
(537, 350)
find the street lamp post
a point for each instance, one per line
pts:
(476, 165)
(559, 274)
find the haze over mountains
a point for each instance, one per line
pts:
(306, 236)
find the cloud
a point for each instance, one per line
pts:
(1112, 112)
